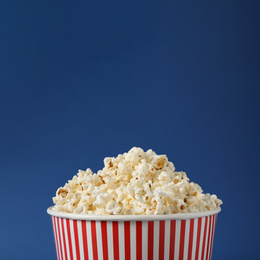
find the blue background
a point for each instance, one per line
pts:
(80, 81)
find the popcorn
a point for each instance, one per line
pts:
(133, 183)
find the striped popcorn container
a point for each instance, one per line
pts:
(183, 236)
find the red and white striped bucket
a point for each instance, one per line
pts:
(186, 236)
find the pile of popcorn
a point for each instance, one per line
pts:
(135, 183)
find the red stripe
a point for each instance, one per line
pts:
(69, 237)
(94, 240)
(59, 236)
(115, 240)
(161, 239)
(204, 238)
(213, 230)
(191, 238)
(64, 240)
(150, 240)
(138, 240)
(76, 235)
(104, 239)
(172, 239)
(54, 233)
(84, 238)
(209, 232)
(198, 239)
(127, 241)
(182, 238)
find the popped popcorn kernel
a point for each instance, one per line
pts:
(133, 183)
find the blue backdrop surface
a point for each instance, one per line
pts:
(81, 81)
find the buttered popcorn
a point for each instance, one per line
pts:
(135, 183)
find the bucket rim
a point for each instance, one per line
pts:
(177, 216)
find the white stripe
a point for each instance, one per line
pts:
(99, 239)
(66, 238)
(144, 240)
(81, 250)
(121, 237)
(201, 236)
(57, 232)
(110, 240)
(61, 236)
(177, 239)
(167, 239)
(186, 240)
(156, 240)
(194, 242)
(89, 238)
(133, 239)
(73, 239)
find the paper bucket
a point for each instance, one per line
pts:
(186, 236)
